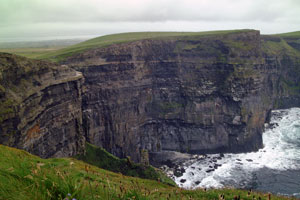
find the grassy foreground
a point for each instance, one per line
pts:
(24, 176)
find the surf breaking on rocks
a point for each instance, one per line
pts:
(274, 168)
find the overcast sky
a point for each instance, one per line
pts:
(51, 19)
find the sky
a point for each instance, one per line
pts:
(25, 20)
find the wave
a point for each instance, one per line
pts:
(280, 154)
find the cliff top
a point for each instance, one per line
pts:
(290, 34)
(21, 77)
(108, 40)
(21, 74)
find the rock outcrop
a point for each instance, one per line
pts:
(40, 109)
(191, 94)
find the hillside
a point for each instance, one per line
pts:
(289, 34)
(24, 176)
(108, 40)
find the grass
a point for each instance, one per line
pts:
(101, 158)
(279, 48)
(290, 34)
(108, 40)
(24, 176)
(34, 49)
(33, 52)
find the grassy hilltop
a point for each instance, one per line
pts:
(56, 54)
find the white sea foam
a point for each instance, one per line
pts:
(281, 152)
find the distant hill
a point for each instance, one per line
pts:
(40, 44)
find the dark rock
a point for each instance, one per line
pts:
(159, 96)
(209, 170)
(182, 180)
(217, 165)
(197, 182)
(249, 160)
(42, 113)
(179, 172)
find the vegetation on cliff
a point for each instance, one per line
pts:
(101, 158)
(24, 176)
(18, 76)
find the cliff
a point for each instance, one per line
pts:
(192, 94)
(195, 93)
(40, 109)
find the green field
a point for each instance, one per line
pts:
(34, 49)
(27, 177)
(58, 53)
(290, 34)
(33, 52)
(108, 40)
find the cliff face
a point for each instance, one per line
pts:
(282, 57)
(189, 94)
(40, 107)
(194, 94)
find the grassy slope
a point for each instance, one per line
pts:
(107, 40)
(290, 34)
(34, 49)
(101, 158)
(33, 52)
(24, 176)
(59, 53)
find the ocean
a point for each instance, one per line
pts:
(275, 168)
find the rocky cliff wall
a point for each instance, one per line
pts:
(195, 94)
(40, 107)
(282, 55)
(189, 94)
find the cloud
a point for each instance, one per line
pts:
(146, 10)
(57, 15)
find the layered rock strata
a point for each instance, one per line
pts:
(40, 107)
(191, 94)
(187, 94)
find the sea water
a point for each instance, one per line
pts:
(275, 168)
